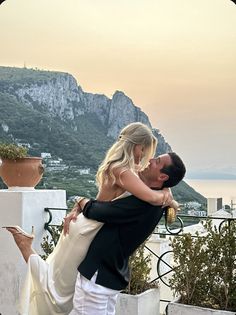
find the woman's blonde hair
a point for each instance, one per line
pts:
(121, 154)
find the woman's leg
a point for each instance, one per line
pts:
(23, 242)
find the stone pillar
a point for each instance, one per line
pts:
(159, 246)
(26, 209)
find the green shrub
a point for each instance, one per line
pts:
(48, 243)
(140, 267)
(206, 272)
(12, 151)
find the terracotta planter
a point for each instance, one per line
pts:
(24, 172)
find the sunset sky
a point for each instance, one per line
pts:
(176, 59)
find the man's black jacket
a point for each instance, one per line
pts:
(128, 223)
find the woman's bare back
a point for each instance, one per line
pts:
(109, 192)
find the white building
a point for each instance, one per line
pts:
(84, 171)
(198, 213)
(54, 162)
(192, 205)
(45, 155)
(213, 205)
(24, 144)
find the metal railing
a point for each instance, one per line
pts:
(48, 226)
(178, 232)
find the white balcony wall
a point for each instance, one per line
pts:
(26, 209)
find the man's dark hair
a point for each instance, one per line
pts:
(176, 170)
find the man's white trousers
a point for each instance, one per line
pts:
(93, 299)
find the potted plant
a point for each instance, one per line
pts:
(17, 169)
(205, 279)
(141, 297)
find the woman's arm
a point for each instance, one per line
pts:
(132, 183)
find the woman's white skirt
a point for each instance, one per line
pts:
(49, 285)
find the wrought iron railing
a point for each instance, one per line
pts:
(178, 232)
(48, 226)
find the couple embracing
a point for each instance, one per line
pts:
(89, 265)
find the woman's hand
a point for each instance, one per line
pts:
(174, 204)
(168, 197)
(72, 216)
(168, 200)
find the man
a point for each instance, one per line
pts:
(128, 222)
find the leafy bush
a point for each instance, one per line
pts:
(140, 267)
(206, 272)
(49, 242)
(12, 151)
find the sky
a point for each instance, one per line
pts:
(176, 59)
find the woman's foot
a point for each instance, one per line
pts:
(23, 241)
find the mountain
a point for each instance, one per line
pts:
(50, 112)
(64, 113)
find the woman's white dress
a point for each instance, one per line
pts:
(49, 285)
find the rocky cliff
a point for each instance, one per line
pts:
(59, 95)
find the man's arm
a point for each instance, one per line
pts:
(119, 211)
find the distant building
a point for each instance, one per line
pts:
(234, 213)
(56, 165)
(213, 205)
(84, 171)
(198, 213)
(221, 214)
(24, 144)
(191, 212)
(54, 162)
(5, 127)
(91, 181)
(57, 168)
(45, 155)
(192, 205)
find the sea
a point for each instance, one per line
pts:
(211, 188)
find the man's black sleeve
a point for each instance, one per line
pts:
(119, 211)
